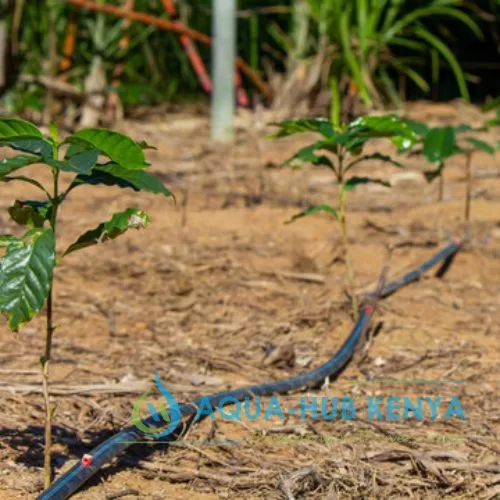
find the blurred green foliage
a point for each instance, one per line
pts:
(369, 43)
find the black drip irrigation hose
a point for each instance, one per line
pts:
(90, 464)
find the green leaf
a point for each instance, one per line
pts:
(290, 127)
(314, 210)
(114, 175)
(412, 74)
(491, 104)
(353, 144)
(29, 144)
(26, 276)
(375, 156)
(9, 165)
(463, 127)
(31, 213)
(428, 11)
(6, 240)
(448, 55)
(439, 144)
(81, 161)
(118, 147)
(23, 136)
(306, 155)
(388, 126)
(420, 128)
(132, 218)
(54, 131)
(14, 127)
(494, 122)
(481, 145)
(354, 182)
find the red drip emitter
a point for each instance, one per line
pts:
(86, 460)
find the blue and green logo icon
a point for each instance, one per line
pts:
(161, 422)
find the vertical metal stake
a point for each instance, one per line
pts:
(223, 67)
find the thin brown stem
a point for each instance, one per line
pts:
(441, 188)
(345, 248)
(468, 192)
(49, 409)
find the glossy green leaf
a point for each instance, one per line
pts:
(353, 143)
(375, 156)
(118, 147)
(354, 182)
(23, 136)
(121, 222)
(26, 276)
(30, 213)
(420, 128)
(389, 126)
(115, 175)
(14, 127)
(439, 144)
(9, 165)
(306, 155)
(314, 210)
(481, 145)
(290, 127)
(29, 144)
(81, 162)
(381, 126)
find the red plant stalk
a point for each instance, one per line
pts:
(197, 62)
(68, 48)
(177, 27)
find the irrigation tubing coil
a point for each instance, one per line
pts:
(71, 481)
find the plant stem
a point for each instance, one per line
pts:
(345, 245)
(49, 409)
(468, 192)
(441, 188)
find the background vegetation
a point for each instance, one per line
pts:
(377, 52)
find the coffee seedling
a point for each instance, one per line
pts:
(343, 151)
(439, 144)
(26, 268)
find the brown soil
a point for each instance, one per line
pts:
(218, 283)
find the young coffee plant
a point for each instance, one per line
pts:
(342, 151)
(439, 144)
(27, 266)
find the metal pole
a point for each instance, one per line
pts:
(223, 66)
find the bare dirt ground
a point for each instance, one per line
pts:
(219, 293)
